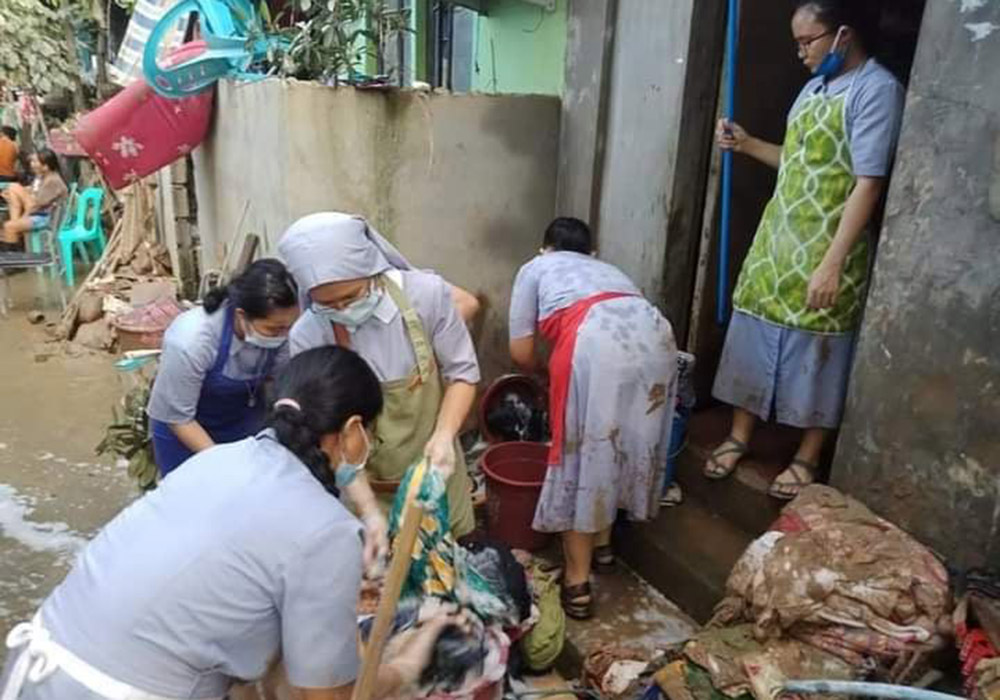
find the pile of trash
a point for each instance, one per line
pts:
(831, 592)
(977, 632)
(515, 615)
(130, 295)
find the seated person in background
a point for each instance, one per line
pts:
(9, 154)
(30, 207)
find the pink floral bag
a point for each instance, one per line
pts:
(137, 132)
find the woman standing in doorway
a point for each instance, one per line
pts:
(801, 291)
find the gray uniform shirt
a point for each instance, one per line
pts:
(190, 348)
(557, 280)
(383, 340)
(211, 576)
(874, 114)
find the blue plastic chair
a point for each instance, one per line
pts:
(85, 228)
(234, 38)
(63, 217)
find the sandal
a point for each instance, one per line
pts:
(730, 446)
(604, 559)
(673, 496)
(577, 601)
(789, 483)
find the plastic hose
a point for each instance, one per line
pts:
(872, 690)
(732, 35)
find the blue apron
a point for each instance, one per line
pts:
(228, 409)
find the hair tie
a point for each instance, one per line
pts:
(291, 403)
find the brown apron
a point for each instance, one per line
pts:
(408, 419)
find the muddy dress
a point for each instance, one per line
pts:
(618, 382)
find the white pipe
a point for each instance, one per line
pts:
(873, 690)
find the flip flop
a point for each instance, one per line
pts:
(730, 446)
(578, 601)
(790, 489)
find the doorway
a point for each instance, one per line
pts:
(769, 77)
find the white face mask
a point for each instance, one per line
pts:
(264, 342)
(354, 314)
(346, 471)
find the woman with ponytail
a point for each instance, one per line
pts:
(215, 362)
(244, 555)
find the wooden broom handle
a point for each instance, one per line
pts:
(399, 567)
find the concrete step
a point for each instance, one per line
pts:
(742, 497)
(627, 612)
(686, 554)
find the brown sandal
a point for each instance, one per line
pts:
(730, 446)
(800, 474)
(577, 601)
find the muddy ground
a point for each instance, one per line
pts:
(55, 492)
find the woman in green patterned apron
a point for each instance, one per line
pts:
(406, 323)
(802, 287)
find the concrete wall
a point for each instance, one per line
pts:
(520, 48)
(464, 184)
(636, 135)
(644, 117)
(921, 439)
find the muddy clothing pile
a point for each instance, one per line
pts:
(515, 418)
(977, 632)
(483, 579)
(832, 591)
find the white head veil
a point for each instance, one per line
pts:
(334, 247)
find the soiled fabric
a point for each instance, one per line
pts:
(514, 419)
(210, 577)
(794, 376)
(834, 575)
(334, 247)
(484, 578)
(733, 658)
(619, 416)
(190, 346)
(621, 399)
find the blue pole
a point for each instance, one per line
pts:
(722, 297)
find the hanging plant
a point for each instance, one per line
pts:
(331, 40)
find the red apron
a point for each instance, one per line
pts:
(560, 329)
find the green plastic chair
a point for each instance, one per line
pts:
(86, 228)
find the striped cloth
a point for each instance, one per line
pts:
(127, 67)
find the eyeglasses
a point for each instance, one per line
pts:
(803, 44)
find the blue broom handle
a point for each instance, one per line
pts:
(722, 298)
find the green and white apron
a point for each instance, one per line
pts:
(815, 178)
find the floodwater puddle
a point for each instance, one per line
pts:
(55, 537)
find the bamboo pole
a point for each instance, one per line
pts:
(399, 567)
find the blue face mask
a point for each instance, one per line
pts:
(353, 315)
(833, 62)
